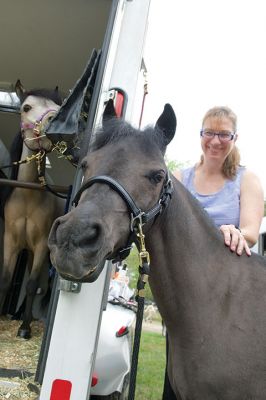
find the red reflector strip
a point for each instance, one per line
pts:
(119, 101)
(61, 390)
(94, 380)
(122, 331)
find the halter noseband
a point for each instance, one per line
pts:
(138, 217)
(36, 126)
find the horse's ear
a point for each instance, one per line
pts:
(109, 111)
(19, 89)
(166, 123)
(56, 89)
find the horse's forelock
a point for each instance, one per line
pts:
(53, 95)
(116, 130)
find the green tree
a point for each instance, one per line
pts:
(172, 165)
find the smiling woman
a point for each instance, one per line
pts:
(231, 194)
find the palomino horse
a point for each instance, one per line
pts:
(29, 213)
(212, 301)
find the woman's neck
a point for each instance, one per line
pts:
(208, 178)
(210, 168)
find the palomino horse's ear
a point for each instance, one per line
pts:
(109, 112)
(19, 89)
(166, 123)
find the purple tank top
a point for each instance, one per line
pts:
(223, 206)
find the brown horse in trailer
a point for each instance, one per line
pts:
(28, 213)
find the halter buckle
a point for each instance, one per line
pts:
(136, 219)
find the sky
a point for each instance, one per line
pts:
(206, 53)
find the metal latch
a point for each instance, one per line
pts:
(69, 286)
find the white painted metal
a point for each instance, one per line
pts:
(124, 64)
(73, 342)
(259, 247)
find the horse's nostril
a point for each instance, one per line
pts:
(90, 236)
(93, 232)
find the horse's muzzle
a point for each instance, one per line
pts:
(77, 246)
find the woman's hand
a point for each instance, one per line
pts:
(234, 239)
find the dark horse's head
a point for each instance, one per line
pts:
(100, 223)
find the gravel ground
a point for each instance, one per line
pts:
(18, 355)
(152, 327)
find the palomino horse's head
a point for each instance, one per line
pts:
(100, 224)
(38, 107)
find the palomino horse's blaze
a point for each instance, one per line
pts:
(212, 301)
(29, 213)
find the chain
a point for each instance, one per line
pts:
(39, 157)
(144, 267)
(29, 159)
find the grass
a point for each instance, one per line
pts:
(151, 367)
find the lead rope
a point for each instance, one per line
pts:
(145, 92)
(144, 271)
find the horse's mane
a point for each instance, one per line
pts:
(53, 95)
(115, 129)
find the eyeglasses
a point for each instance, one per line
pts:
(224, 136)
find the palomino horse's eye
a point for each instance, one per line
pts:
(27, 108)
(84, 165)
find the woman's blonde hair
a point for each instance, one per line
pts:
(232, 161)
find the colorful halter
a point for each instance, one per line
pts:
(36, 126)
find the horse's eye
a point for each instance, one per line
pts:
(156, 177)
(83, 165)
(27, 108)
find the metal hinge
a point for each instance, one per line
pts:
(69, 286)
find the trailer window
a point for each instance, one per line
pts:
(9, 100)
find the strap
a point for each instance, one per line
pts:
(115, 186)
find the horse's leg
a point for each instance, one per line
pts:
(168, 393)
(11, 251)
(40, 259)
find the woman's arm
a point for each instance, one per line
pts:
(251, 214)
(251, 207)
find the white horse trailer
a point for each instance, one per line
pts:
(260, 246)
(48, 44)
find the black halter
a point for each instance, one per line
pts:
(137, 215)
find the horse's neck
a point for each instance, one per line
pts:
(27, 171)
(183, 245)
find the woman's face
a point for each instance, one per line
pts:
(214, 148)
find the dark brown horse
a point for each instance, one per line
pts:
(212, 301)
(29, 214)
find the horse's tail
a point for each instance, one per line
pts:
(15, 155)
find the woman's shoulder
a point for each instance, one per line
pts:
(250, 178)
(182, 174)
(178, 174)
